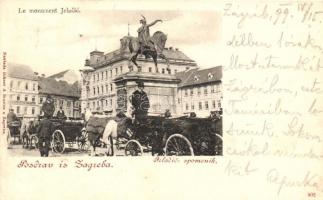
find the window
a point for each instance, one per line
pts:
(61, 102)
(94, 90)
(93, 77)
(169, 71)
(25, 110)
(219, 103)
(200, 105)
(33, 110)
(192, 91)
(101, 75)
(18, 97)
(206, 105)
(210, 76)
(150, 69)
(102, 90)
(111, 87)
(88, 105)
(212, 89)
(34, 87)
(192, 106)
(111, 102)
(213, 104)
(198, 90)
(98, 89)
(18, 109)
(205, 90)
(97, 76)
(116, 71)
(106, 103)
(106, 74)
(93, 104)
(163, 71)
(175, 71)
(18, 85)
(196, 78)
(33, 98)
(68, 104)
(185, 93)
(186, 106)
(179, 100)
(110, 73)
(121, 69)
(106, 88)
(26, 98)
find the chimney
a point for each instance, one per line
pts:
(36, 73)
(87, 62)
(94, 56)
(171, 48)
(43, 75)
(176, 49)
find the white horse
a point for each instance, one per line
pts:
(115, 127)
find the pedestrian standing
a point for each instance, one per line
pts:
(48, 107)
(44, 132)
(140, 103)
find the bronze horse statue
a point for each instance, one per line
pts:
(154, 51)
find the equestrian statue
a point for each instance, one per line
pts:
(150, 47)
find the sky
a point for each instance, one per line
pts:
(51, 43)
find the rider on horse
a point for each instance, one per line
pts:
(144, 35)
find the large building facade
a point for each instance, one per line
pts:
(28, 91)
(109, 80)
(200, 91)
(101, 84)
(23, 90)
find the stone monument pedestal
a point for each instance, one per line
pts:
(160, 88)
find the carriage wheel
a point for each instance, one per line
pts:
(82, 142)
(218, 145)
(178, 145)
(34, 141)
(133, 148)
(58, 141)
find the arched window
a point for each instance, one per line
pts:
(210, 76)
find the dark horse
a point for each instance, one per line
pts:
(159, 40)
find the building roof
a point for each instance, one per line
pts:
(70, 76)
(116, 55)
(199, 76)
(54, 87)
(58, 75)
(21, 71)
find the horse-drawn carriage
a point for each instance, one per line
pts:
(158, 135)
(13, 132)
(67, 133)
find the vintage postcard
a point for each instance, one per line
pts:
(154, 100)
